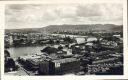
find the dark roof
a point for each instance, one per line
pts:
(49, 50)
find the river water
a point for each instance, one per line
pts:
(16, 52)
(23, 51)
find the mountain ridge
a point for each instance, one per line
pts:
(68, 27)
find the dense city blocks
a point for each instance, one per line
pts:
(64, 51)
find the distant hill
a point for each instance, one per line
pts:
(86, 28)
(25, 30)
(93, 27)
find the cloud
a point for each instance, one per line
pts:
(88, 10)
(29, 15)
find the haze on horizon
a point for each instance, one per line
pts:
(19, 16)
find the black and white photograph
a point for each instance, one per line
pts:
(64, 39)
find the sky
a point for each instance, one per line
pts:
(40, 15)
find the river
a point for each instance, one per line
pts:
(23, 51)
(16, 52)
